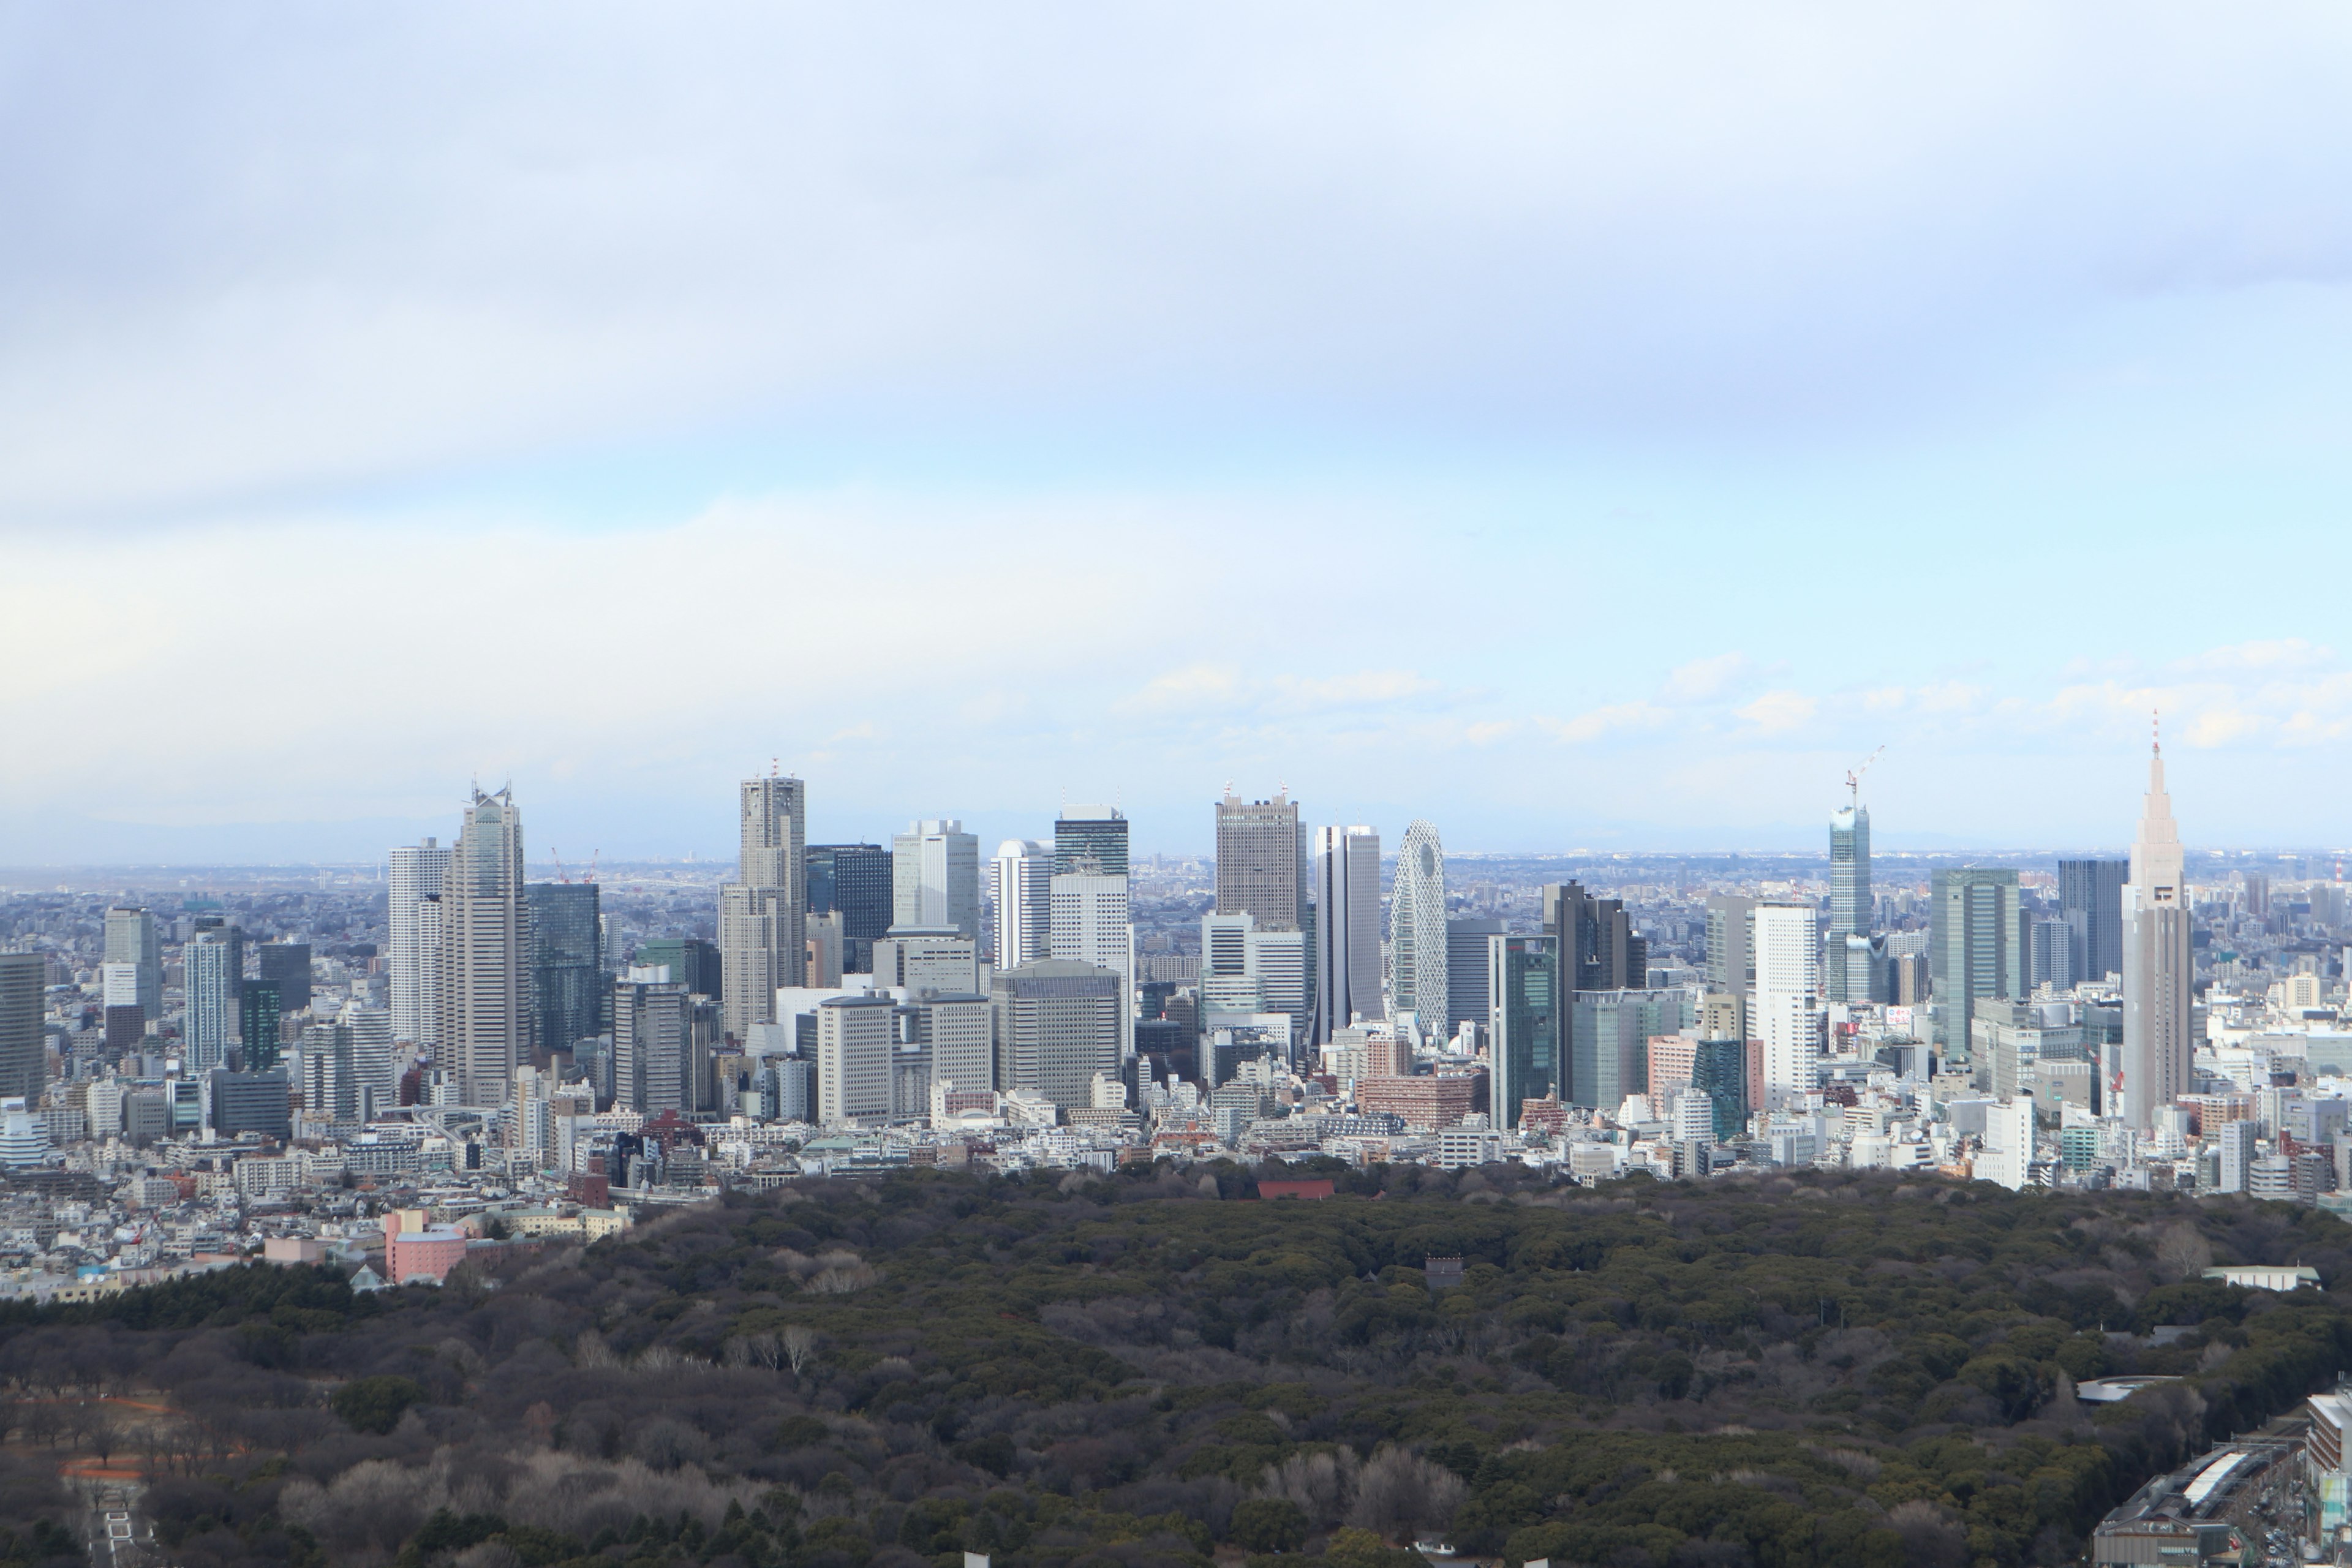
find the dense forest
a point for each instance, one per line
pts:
(1157, 1368)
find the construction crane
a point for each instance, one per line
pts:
(1854, 778)
(593, 857)
(557, 855)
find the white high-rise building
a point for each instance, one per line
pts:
(131, 939)
(486, 976)
(856, 1052)
(374, 1066)
(935, 877)
(1021, 881)
(764, 913)
(1417, 973)
(2157, 1045)
(1784, 1010)
(1347, 870)
(211, 1020)
(1090, 926)
(413, 950)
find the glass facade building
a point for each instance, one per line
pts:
(854, 881)
(258, 1016)
(567, 967)
(1090, 832)
(1719, 1071)
(1523, 978)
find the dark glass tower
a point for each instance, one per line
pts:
(1719, 1071)
(258, 1016)
(567, 962)
(288, 966)
(1524, 979)
(851, 880)
(2091, 899)
(1090, 832)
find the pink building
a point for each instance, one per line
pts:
(415, 1250)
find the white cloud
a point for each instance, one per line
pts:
(1611, 719)
(1777, 712)
(1704, 678)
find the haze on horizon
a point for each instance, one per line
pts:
(1577, 428)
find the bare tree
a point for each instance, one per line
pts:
(799, 1343)
(1399, 1492)
(2182, 1251)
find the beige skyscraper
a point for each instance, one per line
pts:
(2157, 1045)
(763, 914)
(1260, 861)
(486, 992)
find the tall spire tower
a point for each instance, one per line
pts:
(2157, 963)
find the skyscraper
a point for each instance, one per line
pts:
(211, 1018)
(130, 938)
(1347, 930)
(1467, 995)
(259, 1021)
(1096, 833)
(691, 961)
(1731, 953)
(1599, 949)
(1784, 1008)
(1260, 861)
(935, 877)
(762, 938)
(1057, 1025)
(1608, 1036)
(854, 881)
(287, 963)
(374, 1067)
(1021, 882)
(2157, 963)
(1978, 948)
(1417, 960)
(567, 966)
(1523, 1022)
(1845, 951)
(1090, 925)
(2090, 901)
(22, 1056)
(412, 944)
(652, 1045)
(486, 982)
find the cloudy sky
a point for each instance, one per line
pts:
(1582, 426)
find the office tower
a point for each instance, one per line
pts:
(1090, 926)
(1260, 861)
(2090, 901)
(824, 951)
(1090, 833)
(1467, 994)
(1278, 963)
(567, 964)
(1608, 1042)
(211, 1015)
(412, 945)
(22, 1052)
(486, 981)
(287, 963)
(1598, 945)
(2158, 1037)
(1784, 1010)
(691, 961)
(375, 1068)
(653, 1040)
(1021, 881)
(856, 1047)
(854, 881)
(1719, 1071)
(1347, 930)
(217, 928)
(258, 1019)
(1417, 956)
(1845, 952)
(255, 1100)
(329, 1071)
(1523, 1025)
(1731, 952)
(132, 937)
(935, 877)
(916, 959)
(125, 1019)
(2051, 960)
(762, 939)
(960, 1033)
(2257, 894)
(1057, 1025)
(1976, 948)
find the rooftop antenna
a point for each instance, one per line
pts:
(1854, 779)
(2156, 731)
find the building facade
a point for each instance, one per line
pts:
(2156, 930)
(1348, 989)
(567, 964)
(1845, 948)
(487, 1001)
(1260, 861)
(413, 939)
(762, 939)
(1021, 884)
(935, 877)
(1417, 953)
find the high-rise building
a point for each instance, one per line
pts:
(691, 961)
(211, 1019)
(24, 978)
(412, 945)
(856, 1051)
(854, 881)
(652, 1047)
(132, 937)
(1417, 957)
(1089, 915)
(2090, 901)
(2158, 1040)
(938, 959)
(1523, 1025)
(1057, 1025)
(2052, 959)
(329, 1071)
(824, 951)
(1608, 1046)
(287, 963)
(567, 964)
(1021, 883)
(762, 939)
(1597, 942)
(1260, 861)
(1845, 951)
(1731, 952)
(1467, 996)
(1347, 930)
(1784, 1008)
(374, 1067)
(935, 877)
(1976, 949)
(487, 999)
(1719, 1071)
(959, 1031)
(259, 1020)
(1096, 834)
